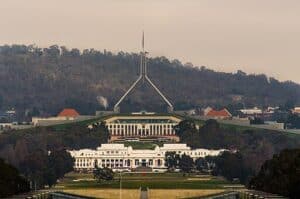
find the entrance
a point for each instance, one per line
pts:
(144, 163)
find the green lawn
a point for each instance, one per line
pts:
(143, 145)
(150, 180)
(62, 127)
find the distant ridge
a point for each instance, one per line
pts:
(49, 79)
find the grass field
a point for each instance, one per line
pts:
(174, 185)
(150, 180)
(106, 193)
(152, 194)
(181, 193)
(143, 145)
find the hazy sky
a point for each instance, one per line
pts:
(257, 36)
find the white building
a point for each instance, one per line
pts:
(296, 110)
(142, 126)
(121, 158)
(252, 111)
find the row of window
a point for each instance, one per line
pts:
(135, 126)
(123, 152)
(116, 162)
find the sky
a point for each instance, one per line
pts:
(256, 36)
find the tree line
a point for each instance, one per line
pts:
(30, 76)
(230, 165)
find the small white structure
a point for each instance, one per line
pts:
(6, 126)
(121, 158)
(253, 111)
(296, 110)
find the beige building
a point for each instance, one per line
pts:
(138, 125)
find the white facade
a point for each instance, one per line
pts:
(146, 125)
(252, 111)
(142, 129)
(119, 157)
(296, 110)
(36, 120)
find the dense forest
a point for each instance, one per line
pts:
(42, 81)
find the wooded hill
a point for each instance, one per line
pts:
(46, 80)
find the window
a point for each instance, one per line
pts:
(150, 162)
(158, 162)
(136, 162)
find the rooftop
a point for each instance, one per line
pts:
(68, 112)
(222, 113)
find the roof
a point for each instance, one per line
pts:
(68, 112)
(142, 118)
(222, 113)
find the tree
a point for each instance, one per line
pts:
(59, 163)
(293, 121)
(186, 163)
(280, 175)
(172, 160)
(44, 169)
(232, 166)
(289, 104)
(1, 101)
(201, 164)
(33, 167)
(11, 182)
(103, 174)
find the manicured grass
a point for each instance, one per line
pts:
(151, 180)
(153, 193)
(106, 193)
(62, 127)
(160, 185)
(143, 145)
(183, 193)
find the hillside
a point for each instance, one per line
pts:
(44, 81)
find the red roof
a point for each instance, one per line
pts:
(222, 113)
(68, 112)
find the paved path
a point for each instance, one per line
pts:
(144, 194)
